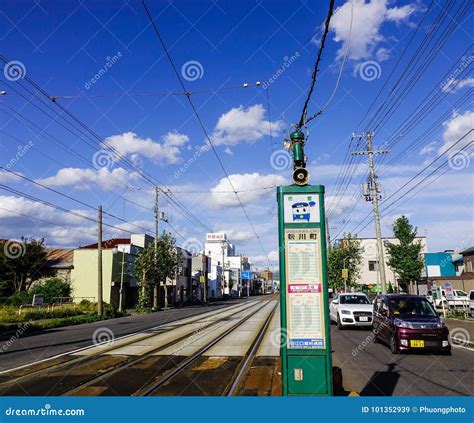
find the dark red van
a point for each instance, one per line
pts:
(409, 323)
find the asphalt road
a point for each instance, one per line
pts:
(371, 369)
(32, 347)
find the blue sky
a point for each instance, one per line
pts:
(106, 57)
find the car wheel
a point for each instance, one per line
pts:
(339, 324)
(393, 344)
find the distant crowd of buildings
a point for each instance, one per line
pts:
(451, 266)
(216, 272)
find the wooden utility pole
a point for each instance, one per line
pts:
(374, 198)
(100, 309)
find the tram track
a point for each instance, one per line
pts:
(240, 372)
(95, 359)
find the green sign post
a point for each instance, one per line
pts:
(305, 325)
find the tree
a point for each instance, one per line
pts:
(349, 254)
(405, 258)
(20, 262)
(148, 273)
(52, 288)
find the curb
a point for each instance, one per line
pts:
(463, 342)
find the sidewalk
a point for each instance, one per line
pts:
(461, 331)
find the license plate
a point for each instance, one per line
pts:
(417, 344)
(363, 319)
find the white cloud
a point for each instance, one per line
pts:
(234, 235)
(9, 177)
(452, 87)
(228, 151)
(428, 149)
(249, 182)
(242, 124)
(168, 152)
(368, 18)
(455, 128)
(85, 179)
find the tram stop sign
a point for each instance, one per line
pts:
(305, 326)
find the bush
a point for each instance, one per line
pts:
(19, 298)
(52, 288)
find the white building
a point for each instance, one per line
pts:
(369, 269)
(225, 266)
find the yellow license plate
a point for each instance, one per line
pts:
(417, 344)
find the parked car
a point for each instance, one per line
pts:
(460, 299)
(351, 309)
(471, 303)
(408, 323)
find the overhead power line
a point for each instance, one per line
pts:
(201, 124)
(302, 120)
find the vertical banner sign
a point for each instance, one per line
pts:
(306, 350)
(305, 317)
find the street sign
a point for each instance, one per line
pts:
(345, 273)
(37, 300)
(448, 289)
(246, 274)
(306, 352)
(202, 279)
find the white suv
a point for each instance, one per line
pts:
(351, 309)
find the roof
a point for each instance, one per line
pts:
(467, 251)
(108, 244)
(59, 258)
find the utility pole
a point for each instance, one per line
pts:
(156, 288)
(373, 196)
(99, 268)
(121, 291)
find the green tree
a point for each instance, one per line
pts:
(149, 275)
(405, 258)
(21, 262)
(349, 254)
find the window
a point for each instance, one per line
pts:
(373, 266)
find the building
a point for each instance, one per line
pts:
(369, 275)
(450, 267)
(218, 249)
(267, 275)
(118, 257)
(200, 269)
(59, 264)
(179, 289)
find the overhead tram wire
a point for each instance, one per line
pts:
(59, 208)
(89, 132)
(69, 228)
(69, 197)
(188, 96)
